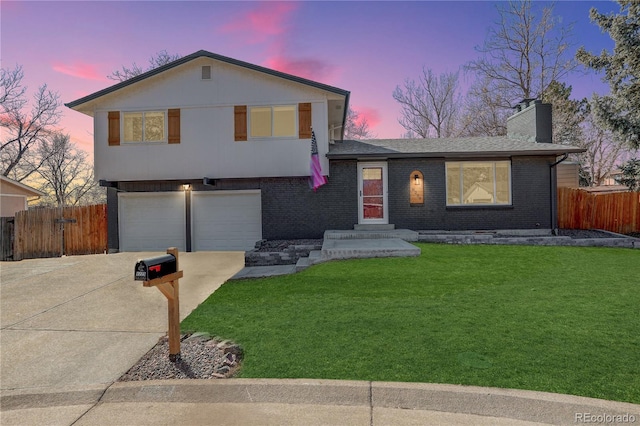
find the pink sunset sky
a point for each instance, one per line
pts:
(366, 47)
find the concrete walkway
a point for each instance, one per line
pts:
(70, 327)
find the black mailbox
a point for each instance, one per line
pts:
(155, 267)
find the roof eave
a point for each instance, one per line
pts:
(461, 154)
(32, 191)
(196, 55)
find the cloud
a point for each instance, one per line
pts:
(313, 69)
(371, 115)
(268, 19)
(272, 25)
(81, 70)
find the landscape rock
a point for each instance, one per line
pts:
(201, 357)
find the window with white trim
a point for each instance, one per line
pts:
(272, 121)
(144, 126)
(478, 183)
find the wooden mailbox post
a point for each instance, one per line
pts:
(151, 272)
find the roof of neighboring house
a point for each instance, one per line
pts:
(21, 188)
(605, 189)
(485, 186)
(199, 54)
(445, 147)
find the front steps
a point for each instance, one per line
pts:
(403, 234)
(367, 247)
(365, 242)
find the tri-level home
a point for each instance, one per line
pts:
(212, 153)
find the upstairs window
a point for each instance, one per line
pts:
(148, 126)
(478, 183)
(272, 121)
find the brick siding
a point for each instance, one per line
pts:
(291, 210)
(530, 209)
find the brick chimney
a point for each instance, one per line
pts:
(531, 122)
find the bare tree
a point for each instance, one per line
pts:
(604, 148)
(430, 106)
(25, 128)
(66, 173)
(523, 53)
(159, 59)
(357, 127)
(482, 114)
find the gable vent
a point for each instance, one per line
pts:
(206, 72)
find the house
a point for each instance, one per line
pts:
(14, 196)
(568, 174)
(212, 153)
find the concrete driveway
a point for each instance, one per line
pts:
(80, 322)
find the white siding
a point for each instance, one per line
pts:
(207, 145)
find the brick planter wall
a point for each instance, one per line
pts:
(269, 258)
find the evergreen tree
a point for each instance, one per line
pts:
(568, 114)
(619, 110)
(630, 174)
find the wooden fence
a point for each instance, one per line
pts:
(616, 212)
(6, 238)
(57, 231)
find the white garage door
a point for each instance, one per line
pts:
(226, 220)
(151, 221)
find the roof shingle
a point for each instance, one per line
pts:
(445, 147)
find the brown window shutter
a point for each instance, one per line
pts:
(174, 125)
(114, 128)
(240, 123)
(304, 121)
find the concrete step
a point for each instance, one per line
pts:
(264, 271)
(385, 227)
(403, 234)
(302, 264)
(315, 256)
(366, 248)
(456, 238)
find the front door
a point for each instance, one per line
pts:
(372, 193)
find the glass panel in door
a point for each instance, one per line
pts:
(372, 193)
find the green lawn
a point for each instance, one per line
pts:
(556, 319)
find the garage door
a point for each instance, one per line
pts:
(151, 221)
(226, 220)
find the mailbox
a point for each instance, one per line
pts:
(155, 267)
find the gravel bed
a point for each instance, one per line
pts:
(201, 357)
(583, 233)
(283, 245)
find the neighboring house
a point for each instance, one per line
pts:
(14, 196)
(211, 153)
(568, 174)
(610, 178)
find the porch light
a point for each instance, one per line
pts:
(416, 191)
(186, 186)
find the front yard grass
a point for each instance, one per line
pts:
(555, 319)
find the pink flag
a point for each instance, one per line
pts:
(316, 180)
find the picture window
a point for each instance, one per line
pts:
(478, 183)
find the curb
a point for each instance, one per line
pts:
(512, 404)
